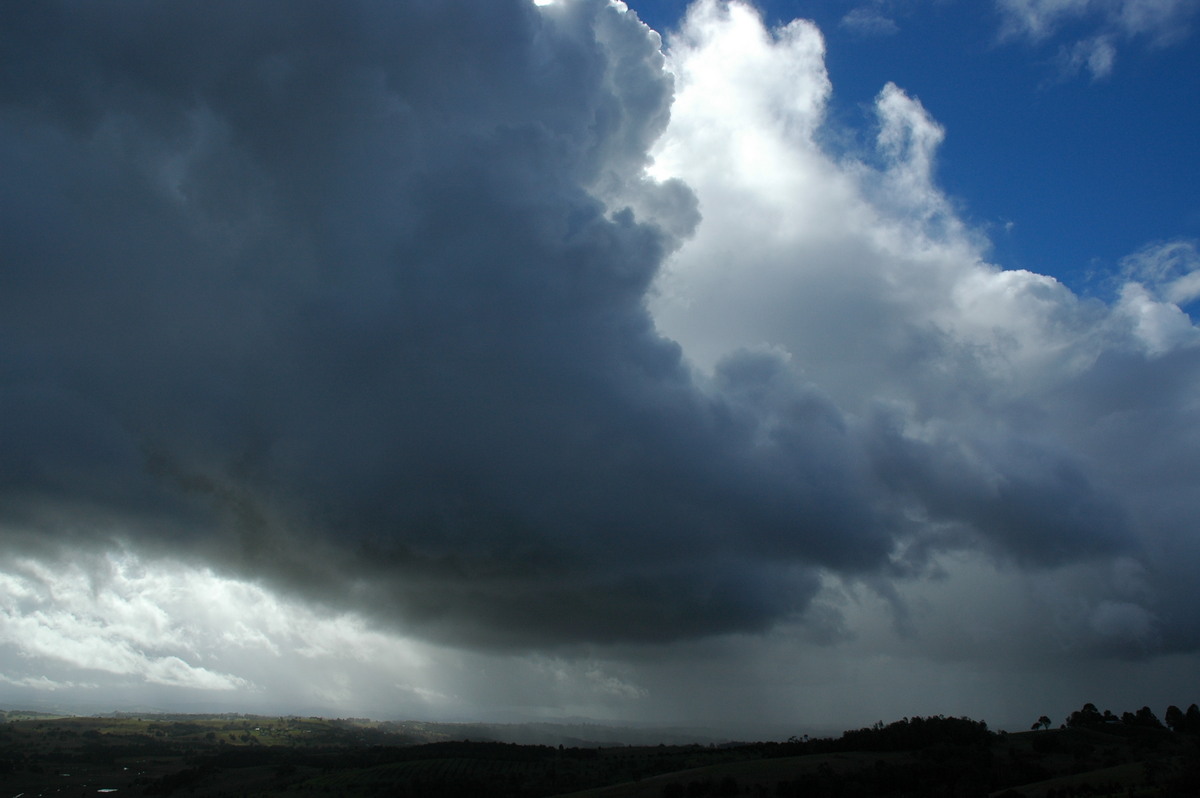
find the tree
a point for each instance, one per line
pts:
(1043, 722)
(1087, 716)
(1146, 718)
(1191, 720)
(1174, 718)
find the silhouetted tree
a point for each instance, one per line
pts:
(916, 733)
(1087, 716)
(1174, 718)
(1147, 719)
(1191, 720)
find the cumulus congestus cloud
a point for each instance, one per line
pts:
(493, 323)
(985, 410)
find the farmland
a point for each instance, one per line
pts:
(211, 755)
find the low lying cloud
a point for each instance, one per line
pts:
(112, 621)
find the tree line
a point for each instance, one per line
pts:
(1089, 717)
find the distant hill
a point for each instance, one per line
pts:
(27, 714)
(1095, 754)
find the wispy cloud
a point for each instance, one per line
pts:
(869, 21)
(1109, 22)
(44, 684)
(1096, 55)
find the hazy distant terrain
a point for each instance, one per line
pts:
(1092, 754)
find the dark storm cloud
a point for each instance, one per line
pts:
(1034, 503)
(345, 269)
(351, 297)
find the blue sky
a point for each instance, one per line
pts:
(496, 360)
(1086, 168)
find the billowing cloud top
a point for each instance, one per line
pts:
(492, 322)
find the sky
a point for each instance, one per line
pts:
(769, 369)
